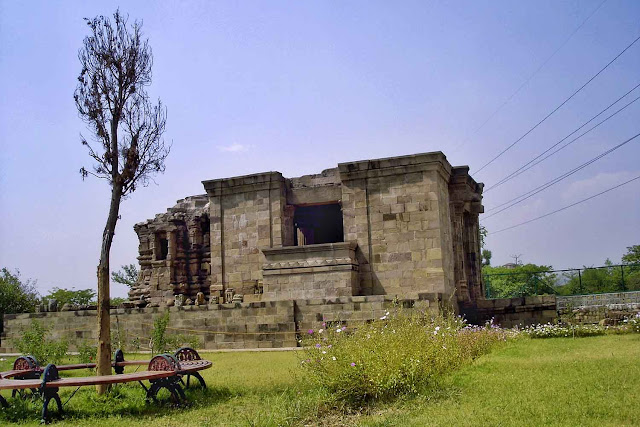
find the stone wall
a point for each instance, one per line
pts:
(220, 326)
(609, 308)
(326, 270)
(246, 213)
(397, 210)
(575, 301)
(413, 218)
(313, 313)
(271, 324)
(510, 312)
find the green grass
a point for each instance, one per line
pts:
(555, 382)
(565, 382)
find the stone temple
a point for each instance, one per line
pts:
(259, 260)
(404, 227)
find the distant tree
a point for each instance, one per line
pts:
(16, 296)
(632, 256)
(632, 272)
(486, 257)
(127, 129)
(71, 296)
(128, 275)
(482, 234)
(523, 280)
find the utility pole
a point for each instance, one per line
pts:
(517, 259)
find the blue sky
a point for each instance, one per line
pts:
(298, 87)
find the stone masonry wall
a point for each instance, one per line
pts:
(395, 210)
(610, 308)
(510, 312)
(246, 213)
(313, 313)
(220, 326)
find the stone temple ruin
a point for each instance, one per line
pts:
(404, 227)
(260, 259)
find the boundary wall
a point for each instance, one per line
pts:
(267, 324)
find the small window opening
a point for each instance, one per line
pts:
(204, 226)
(318, 224)
(162, 246)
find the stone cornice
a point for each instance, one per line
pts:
(396, 166)
(310, 256)
(244, 184)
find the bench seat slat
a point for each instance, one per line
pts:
(15, 373)
(84, 381)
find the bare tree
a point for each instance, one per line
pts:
(127, 146)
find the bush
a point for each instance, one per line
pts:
(633, 323)
(34, 341)
(87, 353)
(398, 354)
(163, 343)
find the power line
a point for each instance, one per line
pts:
(524, 167)
(506, 101)
(556, 180)
(567, 207)
(559, 106)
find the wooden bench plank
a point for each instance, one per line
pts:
(84, 381)
(15, 373)
(19, 384)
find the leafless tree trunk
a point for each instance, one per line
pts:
(111, 99)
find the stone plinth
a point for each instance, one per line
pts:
(312, 271)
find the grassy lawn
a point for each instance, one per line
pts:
(585, 381)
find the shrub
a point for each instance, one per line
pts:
(34, 341)
(398, 354)
(87, 353)
(633, 323)
(163, 343)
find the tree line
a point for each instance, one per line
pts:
(518, 280)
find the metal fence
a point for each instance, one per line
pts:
(524, 281)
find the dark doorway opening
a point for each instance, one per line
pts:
(318, 224)
(162, 246)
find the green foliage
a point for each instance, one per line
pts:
(71, 296)
(163, 343)
(396, 355)
(158, 335)
(16, 296)
(116, 301)
(632, 256)
(600, 280)
(486, 257)
(34, 341)
(482, 231)
(586, 382)
(633, 323)
(128, 275)
(522, 280)
(87, 353)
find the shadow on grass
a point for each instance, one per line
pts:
(121, 401)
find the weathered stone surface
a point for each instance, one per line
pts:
(410, 222)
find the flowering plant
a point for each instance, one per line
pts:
(401, 352)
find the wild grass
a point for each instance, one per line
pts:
(560, 382)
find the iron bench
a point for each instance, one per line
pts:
(164, 371)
